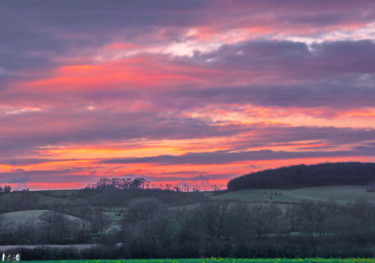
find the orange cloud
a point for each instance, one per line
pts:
(360, 113)
(123, 74)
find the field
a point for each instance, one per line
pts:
(340, 194)
(21, 217)
(221, 260)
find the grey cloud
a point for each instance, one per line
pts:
(45, 176)
(102, 126)
(272, 135)
(36, 33)
(329, 137)
(335, 96)
(200, 178)
(294, 59)
(19, 180)
(28, 161)
(223, 157)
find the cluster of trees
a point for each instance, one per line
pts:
(136, 183)
(84, 214)
(16, 201)
(351, 173)
(120, 183)
(223, 229)
(53, 227)
(5, 188)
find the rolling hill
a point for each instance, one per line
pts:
(300, 176)
(21, 217)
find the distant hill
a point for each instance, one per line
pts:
(292, 177)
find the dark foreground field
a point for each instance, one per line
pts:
(221, 260)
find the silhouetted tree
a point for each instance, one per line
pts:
(138, 183)
(7, 189)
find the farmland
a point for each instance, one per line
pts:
(339, 194)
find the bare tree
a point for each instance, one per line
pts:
(214, 216)
(138, 183)
(56, 226)
(101, 221)
(46, 220)
(263, 219)
(292, 218)
(238, 217)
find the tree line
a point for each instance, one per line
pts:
(150, 229)
(119, 183)
(225, 229)
(136, 183)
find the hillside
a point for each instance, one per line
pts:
(339, 194)
(22, 217)
(293, 177)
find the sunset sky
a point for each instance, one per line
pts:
(184, 92)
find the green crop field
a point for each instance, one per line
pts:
(221, 260)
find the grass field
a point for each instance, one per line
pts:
(20, 217)
(24, 216)
(221, 260)
(340, 194)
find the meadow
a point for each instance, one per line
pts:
(222, 260)
(339, 194)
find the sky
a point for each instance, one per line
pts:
(184, 92)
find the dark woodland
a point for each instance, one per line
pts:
(298, 176)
